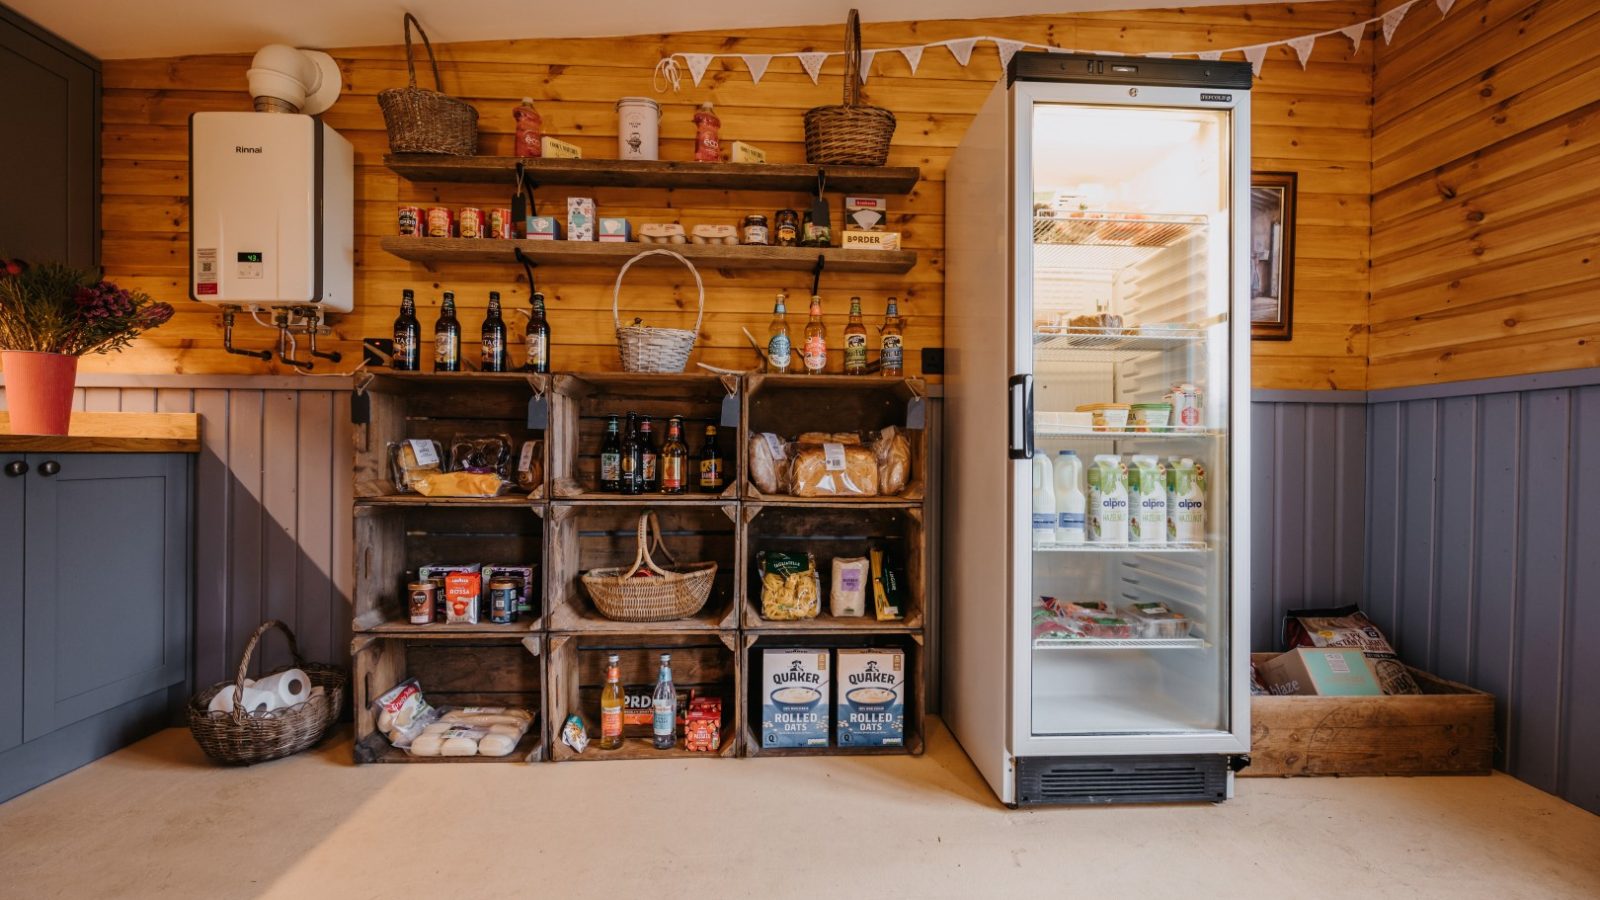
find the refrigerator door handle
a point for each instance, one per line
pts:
(1020, 430)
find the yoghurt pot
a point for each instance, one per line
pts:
(1150, 417)
(1108, 416)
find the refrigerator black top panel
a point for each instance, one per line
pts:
(1087, 68)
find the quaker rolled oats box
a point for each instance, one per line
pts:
(794, 698)
(872, 689)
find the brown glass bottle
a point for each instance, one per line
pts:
(674, 462)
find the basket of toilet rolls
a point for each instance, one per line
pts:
(247, 721)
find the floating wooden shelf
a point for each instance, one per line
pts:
(594, 253)
(655, 174)
(513, 499)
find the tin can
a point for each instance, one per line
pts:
(638, 124)
(411, 220)
(503, 600)
(755, 230)
(501, 228)
(787, 228)
(441, 222)
(470, 223)
(423, 597)
(1185, 400)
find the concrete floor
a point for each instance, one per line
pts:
(156, 820)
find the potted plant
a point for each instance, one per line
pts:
(51, 314)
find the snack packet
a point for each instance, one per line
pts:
(1348, 626)
(403, 713)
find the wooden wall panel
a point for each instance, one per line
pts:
(1486, 138)
(1316, 122)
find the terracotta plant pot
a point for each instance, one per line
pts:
(39, 390)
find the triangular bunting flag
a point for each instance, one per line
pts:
(866, 63)
(1391, 21)
(757, 63)
(913, 56)
(1211, 55)
(812, 63)
(1302, 48)
(1007, 50)
(1355, 33)
(697, 65)
(1257, 55)
(1444, 6)
(961, 49)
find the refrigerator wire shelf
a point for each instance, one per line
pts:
(1114, 229)
(1065, 431)
(1089, 643)
(1093, 547)
(1064, 343)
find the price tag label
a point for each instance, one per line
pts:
(425, 452)
(833, 457)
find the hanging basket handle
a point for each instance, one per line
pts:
(852, 59)
(411, 65)
(239, 712)
(616, 291)
(643, 557)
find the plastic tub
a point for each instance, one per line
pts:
(1155, 620)
(1150, 417)
(1108, 416)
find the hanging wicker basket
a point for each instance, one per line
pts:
(620, 595)
(423, 121)
(851, 134)
(241, 738)
(644, 348)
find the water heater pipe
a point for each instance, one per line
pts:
(287, 79)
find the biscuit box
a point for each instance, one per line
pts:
(543, 228)
(872, 689)
(794, 698)
(580, 218)
(865, 213)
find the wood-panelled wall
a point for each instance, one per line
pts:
(1315, 122)
(1486, 180)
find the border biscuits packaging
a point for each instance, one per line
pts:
(872, 692)
(794, 698)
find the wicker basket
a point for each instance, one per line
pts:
(422, 121)
(643, 348)
(239, 738)
(669, 595)
(851, 134)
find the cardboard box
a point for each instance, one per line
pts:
(614, 230)
(794, 688)
(870, 240)
(872, 694)
(551, 148)
(580, 218)
(865, 213)
(741, 152)
(1321, 672)
(462, 591)
(544, 228)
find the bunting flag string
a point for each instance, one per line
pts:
(811, 62)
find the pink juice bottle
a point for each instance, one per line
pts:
(530, 129)
(707, 146)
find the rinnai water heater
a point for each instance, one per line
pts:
(271, 211)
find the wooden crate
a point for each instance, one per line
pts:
(392, 541)
(440, 406)
(915, 699)
(480, 671)
(827, 531)
(705, 662)
(590, 535)
(789, 405)
(1446, 730)
(579, 407)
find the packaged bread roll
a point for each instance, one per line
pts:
(893, 450)
(833, 470)
(768, 455)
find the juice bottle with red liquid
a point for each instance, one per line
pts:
(530, 129)
(707, 146)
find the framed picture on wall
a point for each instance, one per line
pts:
(1271, 255)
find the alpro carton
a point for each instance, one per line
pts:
(872, 687)
(794, 698)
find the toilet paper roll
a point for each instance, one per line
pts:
(287, 688)
(255, 701)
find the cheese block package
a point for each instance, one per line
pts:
(833, 470)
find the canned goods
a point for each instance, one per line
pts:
(787, 228)
(755, 230)
(410, 220)
(470, 223)
(441, 222)
(503, 600)
(422, 599)
(501, 227)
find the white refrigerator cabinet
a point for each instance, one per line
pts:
(1097, 252)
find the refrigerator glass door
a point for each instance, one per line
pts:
(1130, 353)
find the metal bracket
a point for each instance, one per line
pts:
(816, 274)
(528, 265)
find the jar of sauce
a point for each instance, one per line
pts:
(755, 230)
(787, 228)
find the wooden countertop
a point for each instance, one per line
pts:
(111, 432)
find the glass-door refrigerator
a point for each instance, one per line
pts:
(1095, 631)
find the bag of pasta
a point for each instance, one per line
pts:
(791, 589)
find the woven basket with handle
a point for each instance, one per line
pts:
(241, 738)
(645, 348)
(665, 594)
(423, 121)
(851, 134)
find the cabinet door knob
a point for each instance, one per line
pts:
(49, 467)
(16, 467)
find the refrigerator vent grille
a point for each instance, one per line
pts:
(1134, 779)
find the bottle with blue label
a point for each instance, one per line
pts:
(664, 708)
(1071, 520)
(1044, 501)
(780, 351)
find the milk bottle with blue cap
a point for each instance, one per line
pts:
(1071, 517)
(1044, 501)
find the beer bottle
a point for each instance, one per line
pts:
(816, 346)
(447, 337)
(780, 352)
(538, 337)
(407, 335)
(674, 459)
(632, 459)
(611, 458)
(649, 459)
(891, 359)
(710, 463)
(855, 341)
(494, 337)
(611, 706)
